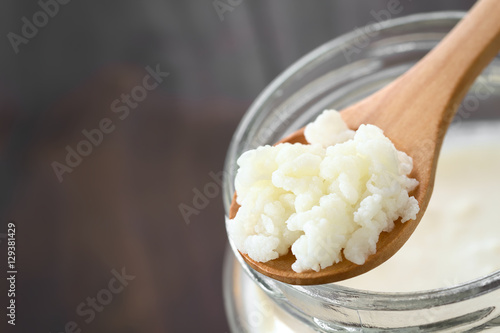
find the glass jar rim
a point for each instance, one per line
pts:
(364, 299)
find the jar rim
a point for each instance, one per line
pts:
(362, 298)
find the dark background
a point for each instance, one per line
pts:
(120, 207)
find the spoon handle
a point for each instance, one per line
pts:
(452, 66)
(423, 101)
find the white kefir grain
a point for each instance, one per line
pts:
(333, 196)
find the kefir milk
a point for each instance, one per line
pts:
(458, 239)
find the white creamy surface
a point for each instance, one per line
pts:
(458, 239)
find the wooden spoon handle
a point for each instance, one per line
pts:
(431, 91)
(457, 61)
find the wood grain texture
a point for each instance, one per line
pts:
(414, 111)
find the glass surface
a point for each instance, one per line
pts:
(333, 76)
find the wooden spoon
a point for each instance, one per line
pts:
(414, 111)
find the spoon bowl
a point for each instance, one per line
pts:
(414, 111)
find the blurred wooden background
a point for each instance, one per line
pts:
(120, 207)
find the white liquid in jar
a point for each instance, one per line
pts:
(458, 239)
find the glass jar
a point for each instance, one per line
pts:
(335, 75)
